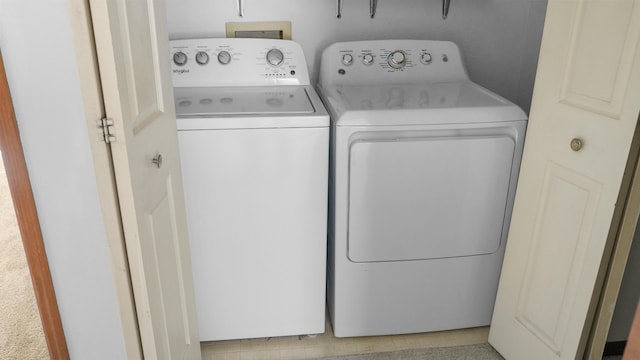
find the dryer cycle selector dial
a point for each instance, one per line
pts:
(202, 58)
(275, 57)
(180, 58)
(224, 57)
(397, 59)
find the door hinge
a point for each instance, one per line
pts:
(106, 125)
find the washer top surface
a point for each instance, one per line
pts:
(253, 107)
(232, 101)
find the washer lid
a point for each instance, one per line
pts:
(234, 101)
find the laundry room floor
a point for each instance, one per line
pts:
(310, 347)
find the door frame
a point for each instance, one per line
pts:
(616, 254)
(28, 223)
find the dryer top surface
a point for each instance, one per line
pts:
(427, 103)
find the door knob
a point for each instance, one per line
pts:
(157, 160)
(576, 144)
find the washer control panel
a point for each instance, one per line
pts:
(402, 61)
(237, 62)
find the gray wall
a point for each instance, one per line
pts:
(499, 39)
(39, 58)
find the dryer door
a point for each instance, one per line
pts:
(428, 195)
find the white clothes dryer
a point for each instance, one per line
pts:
(254, 148)
(423, 170)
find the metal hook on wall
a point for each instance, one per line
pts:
(445, 8)
(373, 5)
(241, 8)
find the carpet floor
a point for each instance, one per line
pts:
(21, 334)
(467, 352)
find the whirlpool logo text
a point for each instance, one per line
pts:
(180, 71)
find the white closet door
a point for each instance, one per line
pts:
(587, 89)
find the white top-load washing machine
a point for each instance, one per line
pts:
(254, 148)
(423, 166)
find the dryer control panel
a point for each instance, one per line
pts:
(391, 61)
(237, 62)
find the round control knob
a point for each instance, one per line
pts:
(426, 58)
(397, 59)
(202, 58)
(275, 57)
(180, 58)
(367, 59)
(224, 57)
(347, 59)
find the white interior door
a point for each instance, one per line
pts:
(131, 43)
(588, 88)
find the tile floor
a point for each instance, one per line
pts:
(309, 347)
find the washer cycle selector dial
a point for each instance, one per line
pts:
(397, 59)
(367, 59)
(275, 57)
(202, 58)
(224, 57)
(180, 58)
(347, 59)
